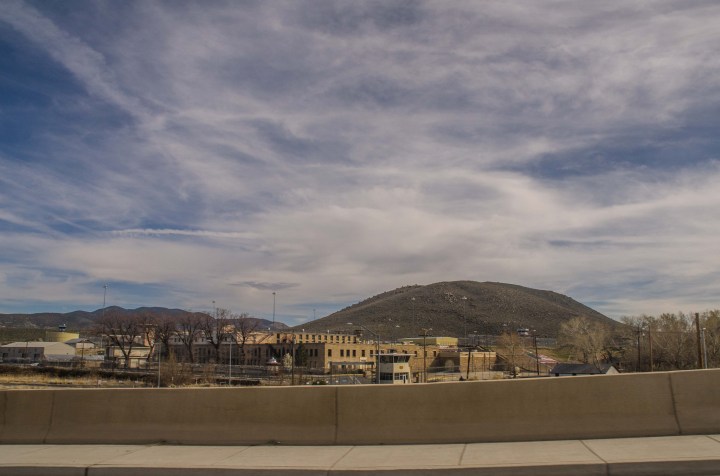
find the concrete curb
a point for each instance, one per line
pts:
(687, 455)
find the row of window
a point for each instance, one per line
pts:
(317, 338)
(386, 376)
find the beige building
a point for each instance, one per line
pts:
(325, 352)
(395, 368)
(35, 352)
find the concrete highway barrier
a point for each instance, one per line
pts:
(612, 406)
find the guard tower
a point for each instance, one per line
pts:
(394, 368)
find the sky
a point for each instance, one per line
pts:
(212, 153)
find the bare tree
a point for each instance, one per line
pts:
(710, 321)
(148, 328)
(165, 328)
(189, 329)
(215, 328)
(244, 326)
(672, 341)
(122, 331)
(587, 338)
(513, 348)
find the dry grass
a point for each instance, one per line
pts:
(41, 381)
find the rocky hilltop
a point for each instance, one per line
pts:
(449, 308)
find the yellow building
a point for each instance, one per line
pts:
(60, 336)
(432, 340)
(338, 353)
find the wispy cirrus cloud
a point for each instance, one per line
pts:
(194, 233)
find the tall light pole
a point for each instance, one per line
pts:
(230, 360)
(424, 336)
(105, 286)
(705, 358)
(699, 345)
(464, 299)
(273, 323)
(377, 351)
(537, 356)
(158, 357)
(292, 367)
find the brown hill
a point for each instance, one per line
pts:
(82, 320)
(454, 308)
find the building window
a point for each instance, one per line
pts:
(362, 353)
(342, 353)
(354, 353)
(329, 352)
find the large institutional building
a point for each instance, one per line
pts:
(325, 352)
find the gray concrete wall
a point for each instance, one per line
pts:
(662, 403)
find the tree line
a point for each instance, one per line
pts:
(126, 332)
(670, 341)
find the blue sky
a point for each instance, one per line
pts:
(191, 152)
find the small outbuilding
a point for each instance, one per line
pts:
(35, 352)
(567, 370)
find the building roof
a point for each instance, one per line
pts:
(47, 346)
(79, 340)
(581, 369)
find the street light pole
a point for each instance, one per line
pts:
(105, 286)
(424, 335)
(292, 368)
(377, 351)
(158, 357)
(537, 356)
(273, 323)
(464, 299)
(705, 358)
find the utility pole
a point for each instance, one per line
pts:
(292, 368)
(158, 357)
(537, 356)
(467, 374)
(230, 362)
(638, 347)
(105, 286)
(464, 299)
(424, 336)
(273, 323)
(699, 345)
(650, 348)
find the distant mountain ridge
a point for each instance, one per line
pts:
(488, 308)
(81, 320)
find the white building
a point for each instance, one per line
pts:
(394, 368)
(32, 352)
